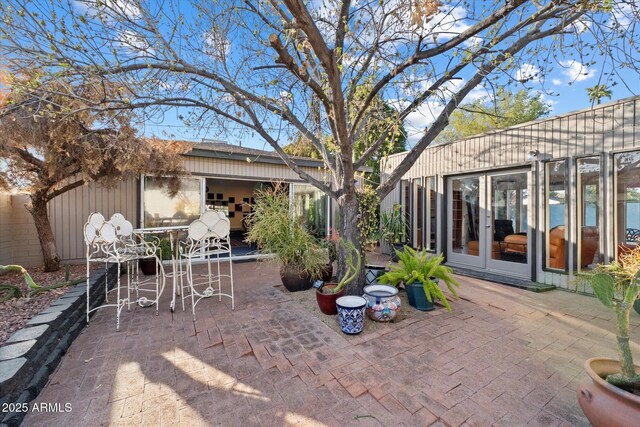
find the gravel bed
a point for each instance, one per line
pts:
(16, 312)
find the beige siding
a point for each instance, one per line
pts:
(69, 211)
(19, 242)
(5, 229)
(249, 170)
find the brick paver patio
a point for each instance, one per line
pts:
(504, 357)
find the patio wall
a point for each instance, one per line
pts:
(19, 242)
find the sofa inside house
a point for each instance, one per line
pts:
(557, 246)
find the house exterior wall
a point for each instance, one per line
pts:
(68, 212)
(601, 131)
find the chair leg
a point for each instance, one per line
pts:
(192, 289)
(87, 283)
(233, 303)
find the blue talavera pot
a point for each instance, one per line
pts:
(351, 314)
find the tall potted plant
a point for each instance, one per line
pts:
(613, 396)
(327, 295)
(394, 229)
(420, 274)
(276, 232)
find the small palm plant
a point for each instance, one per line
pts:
(617, 286)
(418, 266)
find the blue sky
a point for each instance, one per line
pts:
(563, 86)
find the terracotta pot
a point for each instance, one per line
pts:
(605, 404)
(327, 302)
(295, 278)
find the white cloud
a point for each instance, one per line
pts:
(113, 9)
(556, 82)
(577, 72)
(447, 23)
(528, 72)
(216, 45)
(135, 43)
(625, 13)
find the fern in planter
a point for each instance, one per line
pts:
(418, 266)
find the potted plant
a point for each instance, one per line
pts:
(420, 274)
(613, 396)
(394, 229)
(277, 233)
(149, 266)
(329, 245)
(328, 293)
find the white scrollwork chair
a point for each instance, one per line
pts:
(145, 249)
(107, 243)
(208, 237)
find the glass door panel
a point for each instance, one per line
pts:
(507, 223)
(466, 222)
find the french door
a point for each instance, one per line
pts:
(488, 222)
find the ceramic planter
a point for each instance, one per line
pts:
(606, 405)
(383, 302)
(372, 272)
(351, 314)
(417, 297)
(327, 302)
(294, 278)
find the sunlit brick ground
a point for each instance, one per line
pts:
(503, 357)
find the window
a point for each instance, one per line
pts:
(465, 216)
(405, 201)
(556, 214)
(310, 205)
(417, 213)
(431, 209)
(627, 200)
(163, 210)
(588, 215)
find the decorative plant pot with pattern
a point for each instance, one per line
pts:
(351, 313)
(383, 302)
(372, 272)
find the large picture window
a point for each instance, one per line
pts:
(556, 215)
(589, 222)
(163, 210)
(627, 200)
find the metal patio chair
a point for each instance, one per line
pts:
(208, 237)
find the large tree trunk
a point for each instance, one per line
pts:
(349, 230)
(38, 210)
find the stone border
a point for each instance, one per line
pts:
(32, 353)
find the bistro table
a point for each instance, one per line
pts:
(176, 271)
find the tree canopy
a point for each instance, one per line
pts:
(486, 114)
(280, 68)
(50, 144)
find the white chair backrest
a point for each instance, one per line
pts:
(123, 227)
(211, 217)
(97, 230)
(219, 229)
